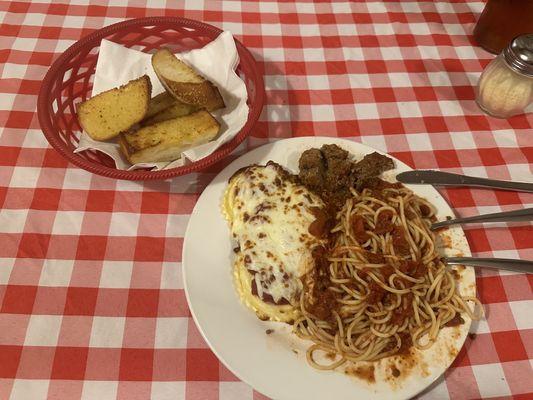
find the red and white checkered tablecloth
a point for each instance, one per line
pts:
(91, 296)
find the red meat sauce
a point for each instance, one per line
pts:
(321, 301)
(400, 242)
(322, 224)
(358, 229)
(415, 269)
(384, 222)
(407, 342)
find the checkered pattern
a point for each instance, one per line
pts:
(91, 297)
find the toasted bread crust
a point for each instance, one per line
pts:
(125, 148)
(109, 113)
(177, 109)
(203, 94)
(159, 103)
(185, 84)
(166, 140)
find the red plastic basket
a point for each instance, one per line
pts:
(69, 81)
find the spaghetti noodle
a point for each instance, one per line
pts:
(381, 287)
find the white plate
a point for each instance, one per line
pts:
(269, 362)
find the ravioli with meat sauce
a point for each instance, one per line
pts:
(270, 215)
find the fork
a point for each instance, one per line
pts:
(525, 214)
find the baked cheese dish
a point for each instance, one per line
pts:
(269, 214)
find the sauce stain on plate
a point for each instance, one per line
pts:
(363, 372)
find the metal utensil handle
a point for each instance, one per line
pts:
(497, 263)
(449, 179)
(525, 214)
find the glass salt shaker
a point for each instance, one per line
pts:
(505, 87)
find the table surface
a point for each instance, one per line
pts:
(91, 296)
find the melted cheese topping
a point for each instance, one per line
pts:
(269, 219)
(265, 311)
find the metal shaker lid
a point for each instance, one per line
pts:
(519, 54)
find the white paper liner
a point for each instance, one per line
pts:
(216, 61)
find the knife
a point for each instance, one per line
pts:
(440, 178)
